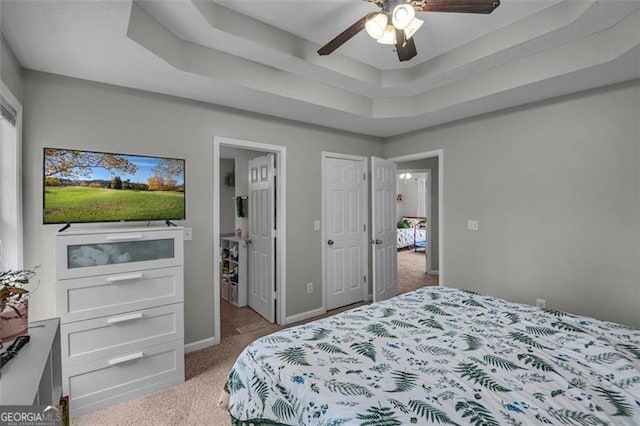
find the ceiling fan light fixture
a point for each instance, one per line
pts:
(413, 27)
(402, 15)
(376, 26)
(389, 36)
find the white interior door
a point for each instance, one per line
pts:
(429, 215)
(345, 217)
(261, 236)
(383, 229)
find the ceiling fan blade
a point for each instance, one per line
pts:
(457, 6)
(346, 35)
(406, 49)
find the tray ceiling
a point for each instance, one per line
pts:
(260, 55)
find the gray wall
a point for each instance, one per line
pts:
(10, 69)
(556, 189)
(242, 157)
(434, 215)
(71, 113)
(227, 211)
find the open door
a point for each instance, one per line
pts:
(261, 242)
(383, 229)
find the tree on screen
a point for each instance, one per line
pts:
(73, 164)
(155, 183)
(167, 173)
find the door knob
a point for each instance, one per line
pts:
(247, 241)
(378, 241)
(330, 242)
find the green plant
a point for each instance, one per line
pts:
(404, 224)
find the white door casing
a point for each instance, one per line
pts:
(383, 229)
(261, 236)
(345, 242)
(427, 247)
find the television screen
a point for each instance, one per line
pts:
(89, 186)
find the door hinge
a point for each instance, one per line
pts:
(364, 176)
(364, 227)
(274, 233)
(275, 171)
(275, 295)
(365, 278)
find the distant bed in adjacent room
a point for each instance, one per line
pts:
(441, 356)
(411, 232)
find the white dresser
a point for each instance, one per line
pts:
(119, 296)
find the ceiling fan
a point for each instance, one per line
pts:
(396, 23)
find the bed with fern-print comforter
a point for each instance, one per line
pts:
(441, 356)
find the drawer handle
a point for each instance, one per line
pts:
(130, 237)
(128, 277)
(124, 318)
(126, 358)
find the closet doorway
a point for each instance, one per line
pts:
(248, 250)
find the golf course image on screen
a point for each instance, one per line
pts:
(90, 186)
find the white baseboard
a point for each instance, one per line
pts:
(303, 316)
(201, 344)
(433, 272)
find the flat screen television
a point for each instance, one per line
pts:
(90, 186)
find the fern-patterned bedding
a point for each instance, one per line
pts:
(407, 237)
(441, 356)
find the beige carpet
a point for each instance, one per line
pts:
(411, 275)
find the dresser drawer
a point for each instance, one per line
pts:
(85, 298)
(103, 337)
(86, 254)
(106, 381)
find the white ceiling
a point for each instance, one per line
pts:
(260, 55)
(320, 21)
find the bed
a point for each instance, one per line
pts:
(441, 356)
(414, 236)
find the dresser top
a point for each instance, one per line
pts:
(21, 375)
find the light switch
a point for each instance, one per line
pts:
(472, 225)
(188, 234)
(316, 225)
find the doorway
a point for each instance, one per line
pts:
(434, 161)
(238, 317)
(414, 217)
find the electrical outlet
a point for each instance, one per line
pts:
(188, 234)
(541, 303)
(309, 288)
(472, 225)
(316, 225)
